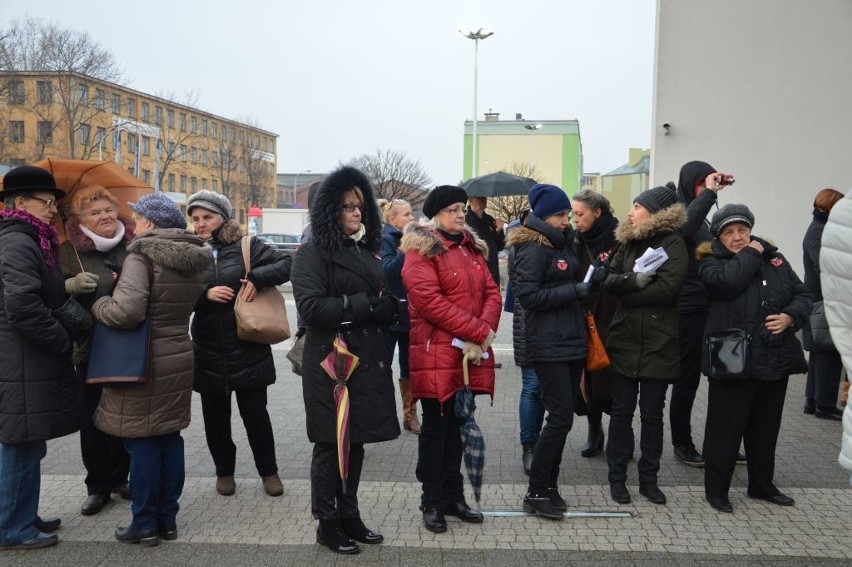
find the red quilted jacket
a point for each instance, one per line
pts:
(451, 294)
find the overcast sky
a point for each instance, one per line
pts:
(336, 79)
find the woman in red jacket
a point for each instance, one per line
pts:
(451, 294)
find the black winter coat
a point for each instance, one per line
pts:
(333, 280)
(519, 328)
(810, 254)
(545, 271)
(695, 230)
(743, 289)
(486, 229)
(39, 390)
(223, 361)
(643, 335)
(392, 261)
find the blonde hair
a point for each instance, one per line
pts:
(355, 190)
(391, 208)
(83, 198)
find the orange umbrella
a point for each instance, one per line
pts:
(74, 174)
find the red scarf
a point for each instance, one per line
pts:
(48, 239)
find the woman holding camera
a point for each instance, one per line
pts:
(751, 287)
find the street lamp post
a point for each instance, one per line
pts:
(481, 33)
(296, 182)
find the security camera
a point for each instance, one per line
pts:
(666, 128)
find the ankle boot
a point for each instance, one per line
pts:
(595, 442)
(652, 492)
(330, 534)
(409, 407)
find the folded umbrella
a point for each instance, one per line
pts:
(471, 435)
(339, 365)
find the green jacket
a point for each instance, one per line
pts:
(643, 335)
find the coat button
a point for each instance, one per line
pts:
(382, 364)
(365, 332)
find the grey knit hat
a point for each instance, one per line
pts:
(212, 201)
(728, 214)
(160, 210)
(656, 198)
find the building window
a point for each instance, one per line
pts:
(204, 183)
(224, 132)
(203, 126)
(115, 103)
(171, 182)
(146, 145)
(214, 184)
(17, 92)
(183, 183)
(170, 116)
(212, 129)
(131, 108)
(204, 157)
(84, 134)
(45, 132)
(44, 90)
(193, 184)
(99, 99)
(193, 124)
(83, 94)
(158, 115)
(144, 111)
(172, 150)
(182, 121)
(16, 131)
(183, 152)
(146, 176)
(131, 143)
(193, 153)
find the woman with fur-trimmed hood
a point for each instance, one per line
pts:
(643, 336)
(224, 363)
(451, 295)
(547, 283)
(339, 288)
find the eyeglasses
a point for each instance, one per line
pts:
(453, 210)
(47, 202)
(350, 207)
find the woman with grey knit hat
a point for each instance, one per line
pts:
(642, 342)
(224, 363)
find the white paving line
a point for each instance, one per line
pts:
(814, 527)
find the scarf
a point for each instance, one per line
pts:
(600, 234)
(362, 230)
(48, 239)
(103, 244)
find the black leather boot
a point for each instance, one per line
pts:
(652, 492)
(526, 457)
(595, 442)
(330, 534)
(355, 528)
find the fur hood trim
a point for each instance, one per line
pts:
(326, 230)
(522, 235)
(429, 242)
(84, 244)
(716, 248)
(174, 248)
(670, 219)
(230, 232)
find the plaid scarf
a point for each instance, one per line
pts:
(48, 239)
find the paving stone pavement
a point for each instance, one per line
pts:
(251, 528)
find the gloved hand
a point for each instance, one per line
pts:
(488, 340)
(384, 309)
(582, 290)
(644, 279)
(84, 282)
(598, 276)
(475, 352)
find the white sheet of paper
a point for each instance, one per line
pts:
(458, 343)
(651, 260)
(589, 272)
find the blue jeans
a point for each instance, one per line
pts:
(156, 480)
(530, 409)
(20, 483)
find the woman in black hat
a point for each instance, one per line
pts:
(642, 343)
(753, 289)
(36, 354)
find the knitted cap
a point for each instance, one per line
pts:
(728, 214)
(441, 197)
(212, 201)
(547, 200)
(160, 210)
(656, 198)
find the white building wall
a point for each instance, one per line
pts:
(761, 89)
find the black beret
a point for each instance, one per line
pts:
(441, 197)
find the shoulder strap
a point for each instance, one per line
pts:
(246, 245)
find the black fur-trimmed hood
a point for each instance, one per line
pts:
(670, 219)
(228, 233)
(326, 230)
(174, 248)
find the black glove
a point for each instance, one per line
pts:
(582, 290)
(598, 276)
(384, 309)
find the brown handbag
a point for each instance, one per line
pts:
(264, 319)
(597, 358)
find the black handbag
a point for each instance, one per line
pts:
(74, 318)
(728, 354)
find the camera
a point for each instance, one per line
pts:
(725, 179)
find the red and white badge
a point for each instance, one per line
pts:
(562, 265)
(777, 261)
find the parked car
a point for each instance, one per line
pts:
(285, 241)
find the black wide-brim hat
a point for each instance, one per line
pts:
(27, 179)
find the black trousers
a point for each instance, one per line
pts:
(651, 397)
(439, 454)
(216, 409)
(559, 384)
(329, 499)
(107, 463)
(690, 341)
(749, 410)
(824, 370)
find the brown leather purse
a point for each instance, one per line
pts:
(264, 319)
(597, 358)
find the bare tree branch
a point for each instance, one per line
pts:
(395, 175)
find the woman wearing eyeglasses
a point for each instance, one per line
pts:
(339, 290)
(451, 295)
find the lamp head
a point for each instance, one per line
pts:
(482, 33)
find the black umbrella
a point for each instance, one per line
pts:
(497, 184)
